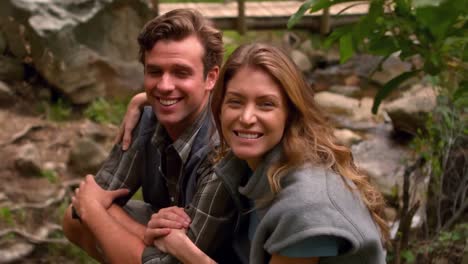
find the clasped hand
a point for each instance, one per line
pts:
(166, 227)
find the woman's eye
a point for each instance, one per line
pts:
(233, 102)
(267, 104)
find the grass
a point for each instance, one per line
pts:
(58, 111)
(50, 175)
(106, 111)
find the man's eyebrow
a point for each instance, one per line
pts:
(182, 67)
(152, 66)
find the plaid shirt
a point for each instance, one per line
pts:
(211, 209)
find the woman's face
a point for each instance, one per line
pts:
(253, 114)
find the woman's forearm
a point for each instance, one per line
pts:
(180, 246)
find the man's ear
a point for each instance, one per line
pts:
(211, 78)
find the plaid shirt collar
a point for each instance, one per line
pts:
(183, 144)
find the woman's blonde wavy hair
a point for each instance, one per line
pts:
(307, 136)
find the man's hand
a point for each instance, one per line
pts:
(89, 193)
(163, 221)
(130, 120)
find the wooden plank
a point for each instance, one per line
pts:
(269, 15)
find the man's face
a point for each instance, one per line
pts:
(174, 82)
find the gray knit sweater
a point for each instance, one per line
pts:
(313, 201)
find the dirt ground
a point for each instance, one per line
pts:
(34, 204)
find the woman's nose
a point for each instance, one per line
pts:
(248, 115)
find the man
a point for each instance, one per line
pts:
(181, 53)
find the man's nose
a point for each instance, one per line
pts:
(165, 83)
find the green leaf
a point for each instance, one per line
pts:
(346, 47)
(408, 256)
(337, 34)
(300, 13)
(389, 87)
(461, 91)
(313, 6)
(382, 45)
(442, 18)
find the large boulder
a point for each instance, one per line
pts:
(11, 69)
(301, 60)
(28, 161)
(84, 48)
(336, 103)
(3, 45)
(86, 156)
(382, 159)
(409, 112)
(6, 94)
(348, 112)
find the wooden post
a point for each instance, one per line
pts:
(241, 25)
(325, 22)
(155, 4)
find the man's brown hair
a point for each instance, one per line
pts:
(179, 24)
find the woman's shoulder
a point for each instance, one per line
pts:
(309, 177)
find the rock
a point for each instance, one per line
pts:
(440, 260)
(6, 94)
(391, 68)
(346, 137)
(381, 159)
(364, 111)
(409, 112)
(3, 44)
(352, 80)
(94, 131)
(465, 255)
(27, 160)
(346, 90)
(336, 103)
(301, 60)
(86, 156)
(3, 197)
(291, 41)
(85, 48)
(11, 69)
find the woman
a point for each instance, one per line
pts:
(311, 205)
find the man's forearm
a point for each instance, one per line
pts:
(118, 244)
(119, 214)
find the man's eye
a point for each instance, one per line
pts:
(154, 72)
(182, 74)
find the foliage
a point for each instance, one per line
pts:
(434, 30)
(104, 111)
(58, 111)
(443, 146)
(6, 216)
(50, 175)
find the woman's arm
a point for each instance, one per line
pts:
(131, 119)
(180, 246)
(278, 259)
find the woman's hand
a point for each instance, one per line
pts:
(163, 221)
(130, 120)
(180, 246)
